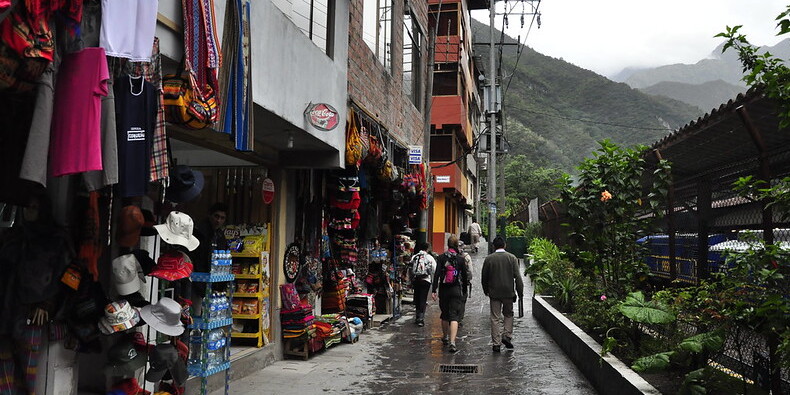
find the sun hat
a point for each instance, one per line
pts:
(164, 358)
(172, 266)
(118, 317)
(127, 274)
(130, 222)
(178, 230)
(185, 184)
(164, 316)
(123, 359)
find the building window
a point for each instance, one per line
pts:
(445, 82)
(412, 59)
(313, 17)
(377, 29)
(441, 148)
(448, 19)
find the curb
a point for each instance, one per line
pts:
(607, 374)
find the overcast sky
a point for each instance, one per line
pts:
(608, 35)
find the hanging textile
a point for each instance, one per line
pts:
(152, 72)
(235, 76)
(201, 50)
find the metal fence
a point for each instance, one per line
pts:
(705, 217)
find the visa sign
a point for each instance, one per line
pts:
(415, 154)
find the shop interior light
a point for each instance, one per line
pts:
(290, 143)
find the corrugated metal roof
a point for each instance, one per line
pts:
(719, 147)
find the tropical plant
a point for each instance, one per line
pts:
(608, 210)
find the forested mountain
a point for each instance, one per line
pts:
(556, 112)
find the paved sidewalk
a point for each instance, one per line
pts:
(401, 358)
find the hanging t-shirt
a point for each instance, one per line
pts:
(128, 28)
(135, 119)
(75, 144)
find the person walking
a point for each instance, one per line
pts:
(468, 262)
(423, 268)
(501, 281)
(474, 234)
(451, 280)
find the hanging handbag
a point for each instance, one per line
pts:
(184, 106)
(353, 141)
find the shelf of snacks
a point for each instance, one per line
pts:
(251, 267)
(247, 295)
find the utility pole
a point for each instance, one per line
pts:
(491, 189)
(424, 233)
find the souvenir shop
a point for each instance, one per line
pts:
(122, 261)
(345, 269)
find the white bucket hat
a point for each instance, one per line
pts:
(178, 230)
(164, 317)
(127, 274)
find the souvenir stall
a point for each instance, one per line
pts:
(101, 257)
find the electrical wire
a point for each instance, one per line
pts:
(535, 15)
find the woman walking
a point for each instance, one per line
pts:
(451, 281)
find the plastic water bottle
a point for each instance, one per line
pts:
(212, 303)
(195, 347)
(216, 348)
(228, 261)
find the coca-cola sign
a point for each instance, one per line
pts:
(322, 116)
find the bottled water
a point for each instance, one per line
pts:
(216, 348)
(195, 346)
(215, 260)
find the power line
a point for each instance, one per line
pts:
(591, 121)
(535, 15)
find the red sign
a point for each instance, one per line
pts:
(322, 116)
(268, 190)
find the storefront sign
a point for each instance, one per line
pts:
(268, 190)
(322, 116)
(442, 179)
(415, 154)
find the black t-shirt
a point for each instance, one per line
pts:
(135, 119)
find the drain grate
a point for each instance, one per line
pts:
(458, 368)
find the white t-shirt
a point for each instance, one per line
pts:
(128, 27)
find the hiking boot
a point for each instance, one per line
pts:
(496, 348)
(453, 348)
(507, 343)
(420, 323)
(445, 340)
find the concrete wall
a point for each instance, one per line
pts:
(607, 374)
(288, 70)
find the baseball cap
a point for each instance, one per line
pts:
(123, 359)
(127, 274)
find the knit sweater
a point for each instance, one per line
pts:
(501, 278)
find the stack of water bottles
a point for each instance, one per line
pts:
(217, 350)
(218, 307)
(221, 262)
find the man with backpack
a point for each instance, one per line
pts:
(423, 267)
(452, 281)
(501, 281)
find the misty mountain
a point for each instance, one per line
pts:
(556, 112)
(717, 66)
(705, 96)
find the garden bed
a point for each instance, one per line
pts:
(607, 374)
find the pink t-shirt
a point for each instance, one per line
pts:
(75, 144)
